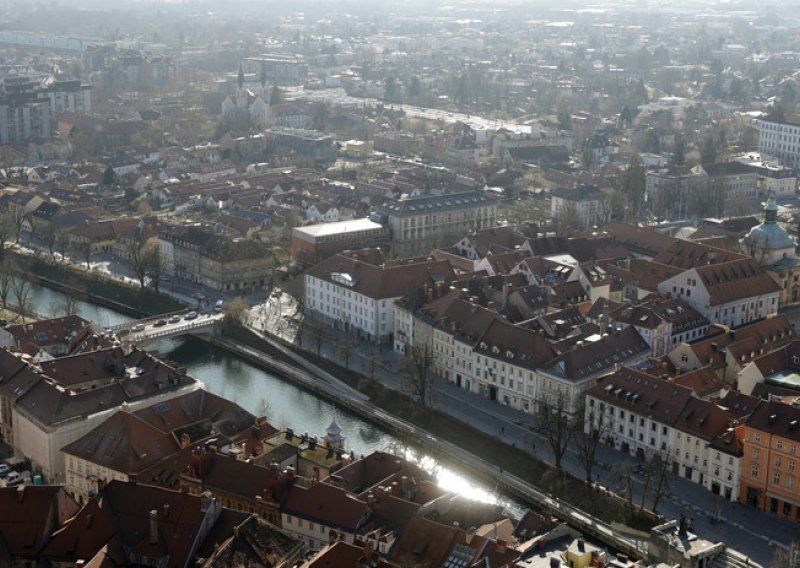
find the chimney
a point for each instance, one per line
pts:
(581, 545)
(316, 474)
(501, 546)
(506, 292)
(153, 527)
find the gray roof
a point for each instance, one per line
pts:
(436, 203)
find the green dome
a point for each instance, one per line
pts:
(769, 235)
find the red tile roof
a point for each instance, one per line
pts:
(327, 505)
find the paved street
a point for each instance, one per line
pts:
(748, 530)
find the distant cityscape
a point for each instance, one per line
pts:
(550, 249)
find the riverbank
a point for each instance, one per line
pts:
(93, 287)
(511, 468)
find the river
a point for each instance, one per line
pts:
(284, 404)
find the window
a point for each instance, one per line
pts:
(776, 478)
(779, 444)
(641, 422)
(778, 461)
(757, 437)
(790, 465)
(754, 471)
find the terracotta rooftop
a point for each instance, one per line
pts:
(29, 515)
(123, 443)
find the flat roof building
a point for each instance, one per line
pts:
(313, 243)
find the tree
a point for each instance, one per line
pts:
(708, 152)
(317, 336)
(587, 442)
(633, 184)
(83, 249)
(235, 313)
(8, 269)
(21, 289)
(9, 230)
(154, 266)
(109, 176)
(370, 365)
(135, 251)
(556, 426)
(389, 88)
(68, 306)
(414, 88)
(419, 373)
(48, 235)
(347, 347)
(568, 219)
(708, 198)
(276, 95)
(679, 151)
(659, 471)
(623, 473)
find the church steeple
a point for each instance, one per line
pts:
(241, 75)
(771, 212)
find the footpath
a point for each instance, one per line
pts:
(755, 533)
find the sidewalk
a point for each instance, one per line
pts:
(748, 530)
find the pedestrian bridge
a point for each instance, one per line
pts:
(140, 332)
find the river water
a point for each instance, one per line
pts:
(284, 404)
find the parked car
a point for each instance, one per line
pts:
(13, 478)
(5, 469)
(160, 323)
(190, 316)
(138, 327)
(174, 319)
(218, 306)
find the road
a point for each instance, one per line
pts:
(746, 529)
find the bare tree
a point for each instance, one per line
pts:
(8, 230)
(556, 426)
(235, 313)
(317, 336)
(83, 249)
(21, 289)
(597, 424)
(659, 468)
(154, 266)
(135, 250)
(69, 305)
(418, 367)
(347, 347)
(8, 269)
(62, 243)
(48, 235)
(370, 365)
(623, 472)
